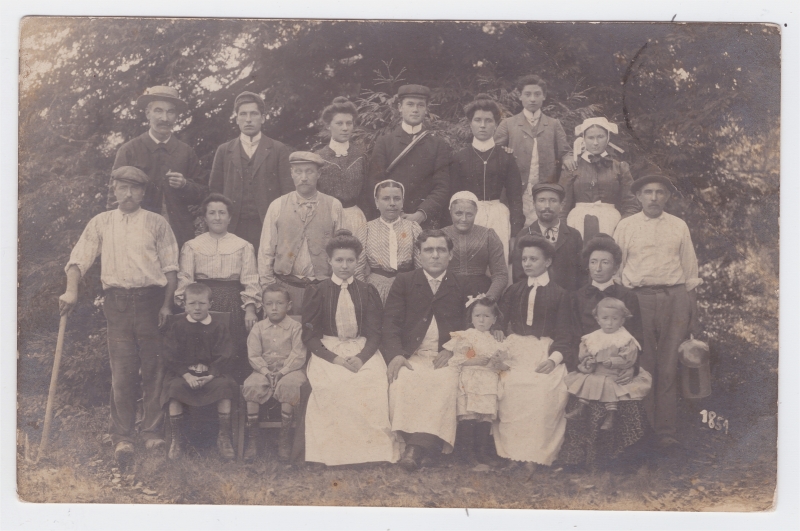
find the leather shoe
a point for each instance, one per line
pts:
(411, 458)
(123, 453)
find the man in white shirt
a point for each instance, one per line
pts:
(251, 170)
(660, 265)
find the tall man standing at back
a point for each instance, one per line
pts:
(537, 141)
(660, 265)
(139, 272)
(251, 170)
(173, 170)
(414, 156)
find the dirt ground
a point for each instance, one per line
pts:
(714, 472)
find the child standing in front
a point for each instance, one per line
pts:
(480, 358)
(537, 141)
(198, 347)
(277, 354)
(602, 357)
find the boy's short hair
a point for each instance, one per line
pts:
(616, 304)
(530, 240)
(198, 288)
(531, 79)
(432, 233)
(277, 288)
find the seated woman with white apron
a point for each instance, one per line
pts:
(347, 419)
(598, 192)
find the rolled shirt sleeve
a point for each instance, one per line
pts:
(87, 249)
(269, 239)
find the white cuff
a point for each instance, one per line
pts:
(557, 357)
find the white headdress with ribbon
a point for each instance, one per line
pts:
(477, 297)
(579, 146)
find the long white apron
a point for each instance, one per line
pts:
(530, 410)
(424, 400)
(347, 419)
(607, 216)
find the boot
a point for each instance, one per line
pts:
(577, 412)
(176, 446)
(224, 444)
(250, 451)
(608, 423)
(485, 444)
(285, 439)
(468, 434)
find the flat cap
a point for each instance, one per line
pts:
(161, 93)
(300, 157)
(250, 97)
(130, 174)
(548, 187)
(419, 91)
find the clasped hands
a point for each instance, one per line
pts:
(352, 364)
(196, 382)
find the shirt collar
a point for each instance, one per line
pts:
(439, 278)
(532, 116)
(482, 145)
(246, 139)
(338, 281)
(300, 200)
(206, 321)
(389, 224)
(541, 280)
(157, 141)
(123, 215)
(604, 285)
(648, 218)
(283, 323)
(585, 155)
(555, 229)
(411, 130)
(339, 148)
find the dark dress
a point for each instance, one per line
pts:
(584, 442)
(473, 253)
(187, 344)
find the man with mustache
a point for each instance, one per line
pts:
(174, 178)
(139, 272)
(566, 269)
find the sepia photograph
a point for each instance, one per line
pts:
(398, 263)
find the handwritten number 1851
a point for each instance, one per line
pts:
(714, 421)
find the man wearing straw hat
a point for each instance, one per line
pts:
(139, 272)
(173, 170)
(660, 265)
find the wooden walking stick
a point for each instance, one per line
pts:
(51, 395)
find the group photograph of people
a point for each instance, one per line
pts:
(506, 281)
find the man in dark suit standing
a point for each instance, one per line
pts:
(251, 170)
(423, 169)
(566, 270)
(422, 308)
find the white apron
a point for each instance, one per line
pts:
(424, 400)
(607, 216)
(347, 419)
(353, 219)
(531, 423)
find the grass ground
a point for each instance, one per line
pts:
(734, 472)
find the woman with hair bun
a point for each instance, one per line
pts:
(345, 174)
(347, 418)
(486, 170)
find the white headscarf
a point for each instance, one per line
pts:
(469, 196)
(579, 145)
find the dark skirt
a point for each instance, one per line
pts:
(221, 387)
(586, 444)
(227, 297)
(474, 284)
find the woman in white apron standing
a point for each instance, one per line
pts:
(347, 419)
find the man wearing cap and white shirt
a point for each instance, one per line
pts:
(566, 269)
(139, 272)
(660, 265)
(251, 170)
(175, 180)
(297, 227)
(423, 169)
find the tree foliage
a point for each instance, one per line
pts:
(699, 100)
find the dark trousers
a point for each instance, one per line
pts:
(135, 353)
(666, 313)
(249, 228)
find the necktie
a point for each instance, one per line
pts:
(434, 285)
(305, 210)
(392, 248)
(346, 323)
(531, 300)
(550, 234)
